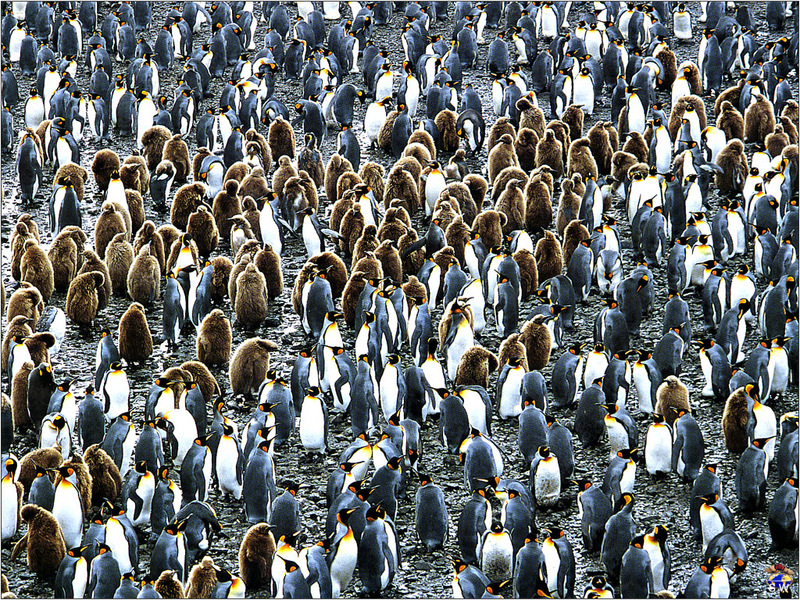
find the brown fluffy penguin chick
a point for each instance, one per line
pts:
(457, 235)
(528, 273)
(148, 234)
(135, 341)
(776, 141)
(214, 339)
(106, 481)
(562, 135)
(569, 204)
(367, 242)
(105, 162)
(790, 129)
(731, 95)
(613, 136)
(134, 174)
(580, 159)
(144, 277)
(489, 225)
(512, 347)
(77, 175)
(39, 345)
(536, 338)
(458, 196)
(759, 119)
(672, 396)
(249, 365)
(203, 229)
(203, 378)
(251, 135)
(372, 174)
(423, 137)
(251, 297)
(251, 212)
(26, 300)
(92, 262)
(402, 185)
(549, 151)
(135, 205)
(169, 235)
(36, 269)
(370, 265)
(733, 162)
(413, 261)
(446, 124)
(390, 260)
(83, 297)
(43, 541)
(237, 171)
(19, 237)
(119, 258)
(351, 229)
(734, 420)
(269, 263)
(352, 291)
(444, 212)
(65, 256)
(283, 173)
(186, 200)
(731, 121)
(501, 127)
(197, 162)
(414, 288)
(336, 166)
(177, 152)
(670, 64)
(222, 267)
(281, 139)
(512, 204)
(349, 180)
(168, 584)
(226, 204)
(19, 398)
(47, 458)
(255, 556)
(384, 139)
(573, 118)
(478, 186)
(17, 326)
(109, 223)
(676, 116)
(202, 579)
(600, 147)
(153, 141)
(502, 179)
(574, 233)
(419, 152)
(256, 186)
(549, 257)
(530, 116)
(502, 155)
(337, 271)
(636, 145)
(392, 227)
(475, 366)
(538, 205)
(241, 232)
(238, 268)
(621, 162)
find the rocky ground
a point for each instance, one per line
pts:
(422, 574)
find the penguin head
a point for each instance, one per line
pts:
(544, 451)
(583, 484)
(59, 421)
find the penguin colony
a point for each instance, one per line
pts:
(441, 309)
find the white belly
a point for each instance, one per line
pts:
(510, 405)
(10, 510)
(227, 456)
(65, 504)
